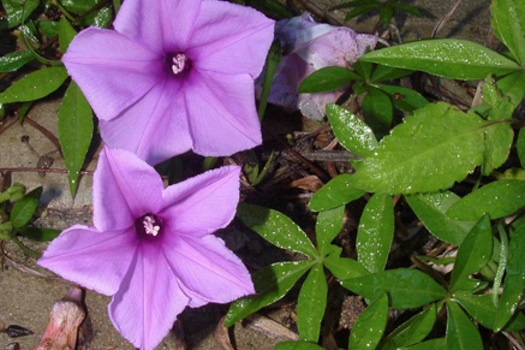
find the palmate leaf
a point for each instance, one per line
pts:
(271, 284)
(412, 331)
(480, 307)
(375, 233)
(448, 58)
(343, 268)
(514, 285)
(431, 150)
(508, 23)
(406, 288)
(338, 191)
(276, 228)
(498, 199)
(311, 304)
(461, 332)
(329, 223)
(370, 325)
(431, 209)
(327, 79)
(474, 253)
(351, 132)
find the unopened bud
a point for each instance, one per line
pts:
(14, 193)
(6, 230)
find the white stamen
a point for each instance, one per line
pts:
(179, 62)
(149, 226)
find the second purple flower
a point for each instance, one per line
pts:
(174, 75)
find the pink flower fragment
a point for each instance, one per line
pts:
(151, 247)
(174, 75)
(309, 46)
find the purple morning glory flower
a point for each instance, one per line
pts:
(151, 247)
(309, 46)
(174, 75)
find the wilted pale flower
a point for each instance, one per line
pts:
(309, 46)
(174, 75)
(151, 247)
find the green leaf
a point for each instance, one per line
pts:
(431, 209)
(329, 224)
(498, 199)
(344, 268)
(75, 130)
(448, 58)
(327, 79)
(386, 73)
(311, 304)
(79, 7)
(48, 28)
(24, 209)
(513, 86)
(508, 23)
(378, 111)
(498, 138)
(428, 152)
(271, 284)
(35, 85)
(362, 9)
(405, 99)
(461, 332)
(514, 285)
(102, 18)
(39, 234)
(375, 233)
(412, 331)
(353, 134)
(433, 344)
(370, 325)
(474, 253)
(480, 307)
(498, 141)
(297, 345)
(18, 11)
(276, 228)
(14, 60)
(501, 107)
(66, 33)
(406, 288)
(335, 193)
(520, 147)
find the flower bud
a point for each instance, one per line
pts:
(6, 230)
(14, 193)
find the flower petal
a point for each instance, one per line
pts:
(124, 189)
(209, 270)
(221, 113)
(202, 204)
(155, 128)
(112, 70)
(149, 299)
(231, 39)
(162, 25)
(93, 259)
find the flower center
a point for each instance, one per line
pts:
(148, 225)
(180, 63)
